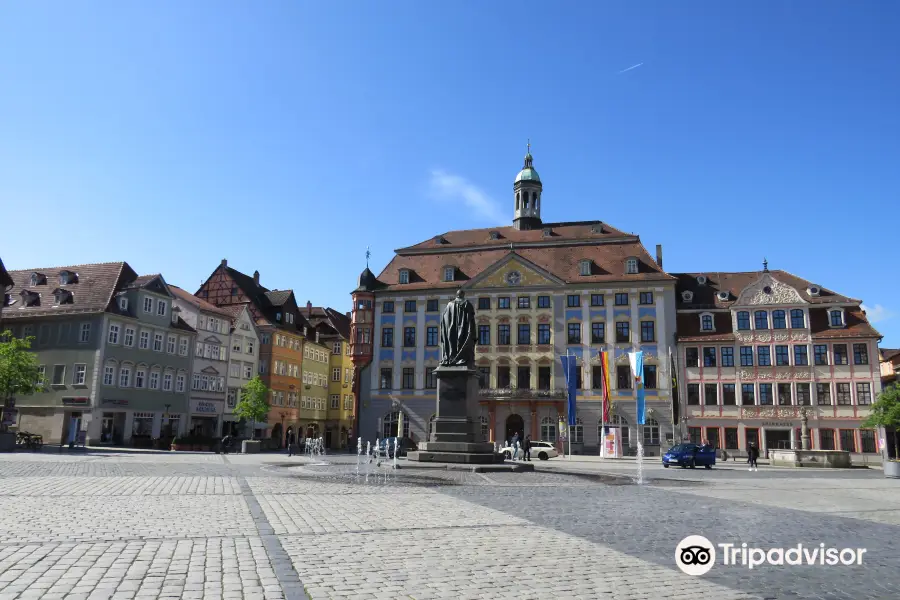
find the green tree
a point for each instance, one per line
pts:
(20, 374)
(254, 403)
(886, 413)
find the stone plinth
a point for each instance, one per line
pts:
(454, 429)
(250, 446)
(832, 459)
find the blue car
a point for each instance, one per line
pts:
(690, 455)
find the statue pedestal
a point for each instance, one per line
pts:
(456, 425)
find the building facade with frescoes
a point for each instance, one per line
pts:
(758, 349)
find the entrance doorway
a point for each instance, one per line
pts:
(777, 439)
(328, 438)
(514, 424)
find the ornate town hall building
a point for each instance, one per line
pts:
(542, 290)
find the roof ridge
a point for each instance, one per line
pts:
(39, 269)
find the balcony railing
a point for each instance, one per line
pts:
(521, 393)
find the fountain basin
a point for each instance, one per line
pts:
(476, 468)
(831, 459)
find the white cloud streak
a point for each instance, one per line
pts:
(630, 68)
(877, 313)
(446, 186)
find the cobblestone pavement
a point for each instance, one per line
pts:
(197, 526)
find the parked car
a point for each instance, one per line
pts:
(541, 450)
(690, 455)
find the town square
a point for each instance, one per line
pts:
(585, 300)
(193, 525)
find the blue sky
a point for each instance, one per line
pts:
(288, 136)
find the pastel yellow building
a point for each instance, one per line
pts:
(333, 330)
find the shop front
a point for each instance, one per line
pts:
(206, 418)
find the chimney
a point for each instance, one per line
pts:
(349, 314)
(309, 309)
(659, 255)
(224, 262)
(256, 277)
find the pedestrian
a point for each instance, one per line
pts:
(526, 447)
(752, 456)
(290, 441)
(515, 440)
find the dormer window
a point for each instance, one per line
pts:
(67, 278)
(404, 275)
(63, 296)
(701, 279)
(123, 303)
(631, 266)
(687, 296)
(814, 291)
(836, 318)
(495, 235)
(597, 228)
(278, 317)
(38, 279)
(706, 322)
(723, 296)
(548, 232)
(584, 267)
(449, 273)
(30, 298)
(439, 239)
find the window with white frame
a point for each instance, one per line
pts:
(123, 303)
(183, 346)
(157, 342)
(248, 371)
(249, 347)
(335, 401)
(336, 374)
(651, 432)
(129, 337)
(179, 382)
(154, 379)
(78, 375)
(167, 381)
(706, 322)
(584, 267)
(113, 334)
(404, 276)
(161, 308)
(142, 426)
(148, 304)
(449, 272)
(125, 376)
(234, 369)
(144, 340)
(170, 344)
(85, 334)
(836, 318)
(236, 345)
(140, 376)
(336, 348)
(631, 266)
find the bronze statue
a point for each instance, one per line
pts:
(458, 333)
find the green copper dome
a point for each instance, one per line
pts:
(528, 172)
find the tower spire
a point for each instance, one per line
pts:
(765, 265)
(368, 254)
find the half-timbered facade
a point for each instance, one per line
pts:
(282, 330)
(757, 349)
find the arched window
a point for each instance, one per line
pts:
(517, 200)
(778, 319)
(619, 423)
(761, 319)
(125, 375)
(578, 431)
(651, 432)
(548, 429)
(390, 422)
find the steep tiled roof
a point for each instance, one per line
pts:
(5, 279)
(889, 353)
(278, 297)
(706, 295)
(338, 321)
(198, 302)
(234, 310)
(562, 262)
(857, 325)
(589, 231)
(92, 291)
(688, 328)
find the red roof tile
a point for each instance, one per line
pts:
(200, 303)
(503, 236)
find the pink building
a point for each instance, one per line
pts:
(757, 348)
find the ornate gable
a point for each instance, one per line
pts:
(768, 290)
(513, 271)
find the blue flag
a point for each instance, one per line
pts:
(637, 369)
(569, 368)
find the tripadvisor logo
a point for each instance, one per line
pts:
(696, 555)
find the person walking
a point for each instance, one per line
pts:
(290, 441)
(526, 448)
(752, 456)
